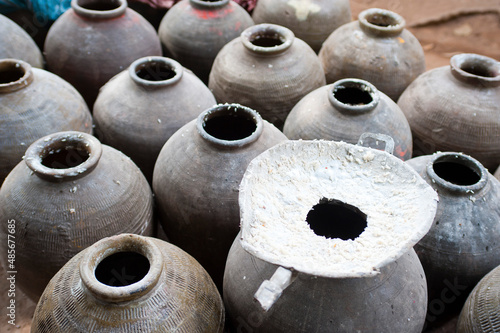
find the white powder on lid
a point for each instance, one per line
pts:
(281, 186)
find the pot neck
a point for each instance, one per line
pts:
(136, 259)
(99, 9)
(353, 96)
(14, 75)
(457, 173)
(267, 39)
(475, 69)
(63, 156)
(381, 23)
(155, 72)
(229, 126)
(209, 4)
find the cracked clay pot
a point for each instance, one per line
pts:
(69, 192)
(327, 230)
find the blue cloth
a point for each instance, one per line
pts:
(44, 9)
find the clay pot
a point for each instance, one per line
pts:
(266, 69)
(481, 311)
(17, 44)
(376, 48)
(95, 40)
(69, 192)
(34, 103)
(462, 245)
(140, 108)
(325, 245)
(197, 176)
(456, 109)
(194, 31)
(312, 21)
(343, 111)
(130, 283)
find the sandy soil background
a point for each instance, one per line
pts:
(443, 27)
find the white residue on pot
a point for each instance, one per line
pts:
(282, 185)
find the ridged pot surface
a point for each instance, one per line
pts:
(343, 111)
(17, 44)
(194, 31)
(141, 108)
(69, 192)
(266, 69)
(95, 40)
(35, 103)
(130, 283)
(312, 21)
(323, 245)
(376, 48)
(462, 245)
(455, 108)
(481, 312)
(197, 176)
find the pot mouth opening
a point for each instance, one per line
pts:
(476, 69)
(155, 71)
(121, 269)
(62, 156)
(14, 75)
(479, 69)
(267, 38)
(354, 95)
(333, 218)
(381, 22)
(11, 74)
(230, 125)
(458, 172)
(100, 5)
(209, 3)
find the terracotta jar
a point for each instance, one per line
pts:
(456, 108)
(462, 245)
(197, 176)
(95, 40)
(266, 69)
(482, 309)
(130, 283)
(194, 31)
(34, 103)
(311, 20)
(140, 108)
(17, 44)
(69, 192)
(343, 111)
(376, 48)
(325, 245)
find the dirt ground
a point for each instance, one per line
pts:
(444, 28)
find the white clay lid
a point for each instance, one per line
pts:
(378, 206)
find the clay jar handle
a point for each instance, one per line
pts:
(270, 290)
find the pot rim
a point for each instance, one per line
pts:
(99, 14)
(366, 18)
(25, 80)
(209, 4)
(285, 35)
(143, 62)
(464, 160)
(486, 64)
(106, 247)
(354, 83)
(223, 109)
(46, 145)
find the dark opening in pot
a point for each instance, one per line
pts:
(230, 126)
(264, 39)
(456, 172)
(99, 5)
(64, 158)
(352, 95)
(122, 269)
(382, 20)
(335, 219)
(479, 69)
(11, 74)
(155, 71)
